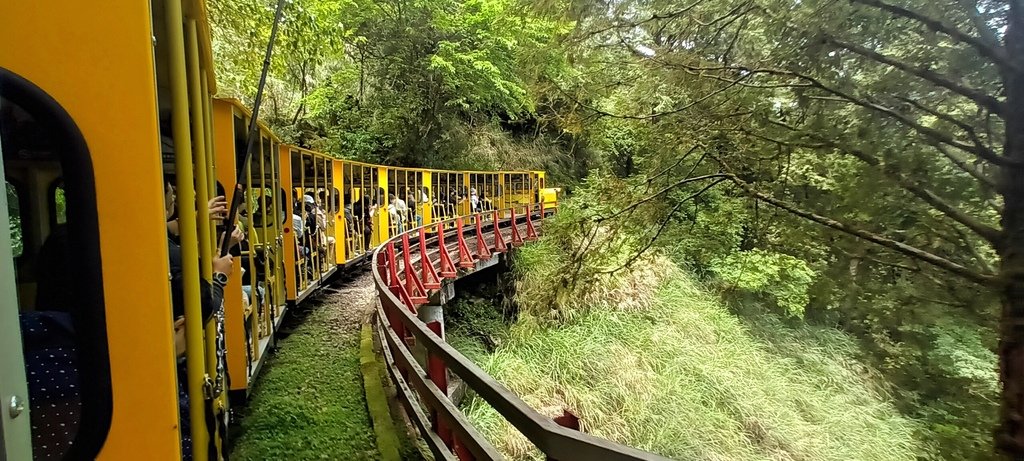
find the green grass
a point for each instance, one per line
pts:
(309, 403)
(685, 378)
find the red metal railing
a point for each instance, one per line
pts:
(402, 289)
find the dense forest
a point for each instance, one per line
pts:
(852, 167)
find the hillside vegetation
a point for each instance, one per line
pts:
(674, 371)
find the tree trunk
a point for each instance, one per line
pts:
(1010, 437)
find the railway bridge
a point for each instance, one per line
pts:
(413, 275)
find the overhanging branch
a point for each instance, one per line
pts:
(895, 245)
(979, 97)
(995, 54)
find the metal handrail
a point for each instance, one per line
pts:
(396, 318)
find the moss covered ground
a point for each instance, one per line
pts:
(309, 401)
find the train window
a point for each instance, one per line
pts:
(58, 204)
(14, 212)
(64, 338)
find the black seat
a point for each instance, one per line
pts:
(54, 276)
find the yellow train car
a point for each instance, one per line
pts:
(114, 151)
(97, 107)
(254, 302)
(310, 242)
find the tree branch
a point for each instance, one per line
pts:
(897, 246)
(990, 234)
(995, 54)
(981, 151)
(987, 35)
(662, 226)
(967, 128)
(659, 194)
(650, 179)
(969, 169)
(979, 97)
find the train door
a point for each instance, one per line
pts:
(15, 429)
(405, 194)
(426, 203)
(483, 191)
(303, 260)
(396, 218)
(324, 237)
(440, 196)
(229, 130)
(259, 217)
(53, 313)
(289, 241)
(381, 203)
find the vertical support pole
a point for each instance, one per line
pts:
(465, 257)
(389, 267)
(531, 233)
(433, 317)
(429, 275)
(483, 253)
(413, 286)
(183, 167)
(499, 241)
(517, 240)
(447, 267)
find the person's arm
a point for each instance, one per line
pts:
(222, 268)
(214, 296)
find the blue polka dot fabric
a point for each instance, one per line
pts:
(51, 365)
(185, 426)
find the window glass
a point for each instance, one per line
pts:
(14, 211)
(59, 205)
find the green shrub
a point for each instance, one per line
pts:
(785, 278)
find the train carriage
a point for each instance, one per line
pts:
(86, 104)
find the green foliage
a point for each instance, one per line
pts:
(391, 81)
(476, 319)
(782, 276)
(14, 221)
(623, 101)
(789, 99)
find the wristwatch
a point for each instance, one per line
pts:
(220, 279)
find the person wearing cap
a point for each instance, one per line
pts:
(321, 218)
